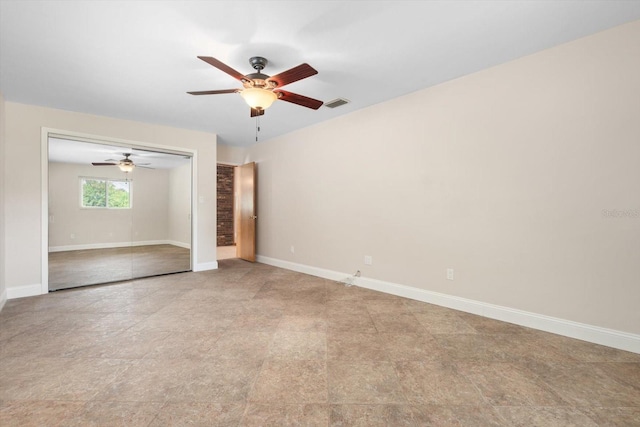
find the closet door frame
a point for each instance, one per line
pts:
(46, 133)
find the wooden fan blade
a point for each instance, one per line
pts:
(144, 167)
(223, 67)
(294, 98)
(213, 92)
(104, 164)
(300, 72)
(255, 112)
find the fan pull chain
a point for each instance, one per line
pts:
(257, 127)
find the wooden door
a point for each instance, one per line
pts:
(247, 198)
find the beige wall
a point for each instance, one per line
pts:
(231, 155)
(23, 196)
(3, 288)
(147, 221)
(179, 208)
(503, 175)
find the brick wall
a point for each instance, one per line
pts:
(225, 205)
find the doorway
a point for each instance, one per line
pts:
(236, 210)
(226, 227)
(116, 212)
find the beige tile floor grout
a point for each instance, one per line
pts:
(254, 345)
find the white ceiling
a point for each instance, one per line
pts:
(79, 152)
(136, 59)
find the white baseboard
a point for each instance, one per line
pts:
(595, 334)
(3, 298)
(111, 245)
(24, 291)
(302, 268)
(206, 266)
(178, 244)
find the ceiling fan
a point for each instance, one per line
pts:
(125, 165)
(261, 90)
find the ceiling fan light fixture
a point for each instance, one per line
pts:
(126, 166)
(258, 98)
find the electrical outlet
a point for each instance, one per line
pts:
(368, 260)
(449, 273)
(73, 236)
(292, 249)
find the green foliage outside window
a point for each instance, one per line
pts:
(105, 193)
(118, 192)
(94, 193)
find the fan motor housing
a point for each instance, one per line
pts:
(258, 80)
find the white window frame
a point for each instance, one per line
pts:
(81, 192)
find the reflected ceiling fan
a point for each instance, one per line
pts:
(261, 90)
(125, 165)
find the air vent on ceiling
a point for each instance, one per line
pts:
(336, 102)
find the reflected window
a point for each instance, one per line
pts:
(105, 193)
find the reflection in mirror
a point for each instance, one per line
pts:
(107, 225)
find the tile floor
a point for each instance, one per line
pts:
(254, 345)
(70, 269)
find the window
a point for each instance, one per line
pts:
(105, 193)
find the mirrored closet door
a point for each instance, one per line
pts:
(116, 213)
